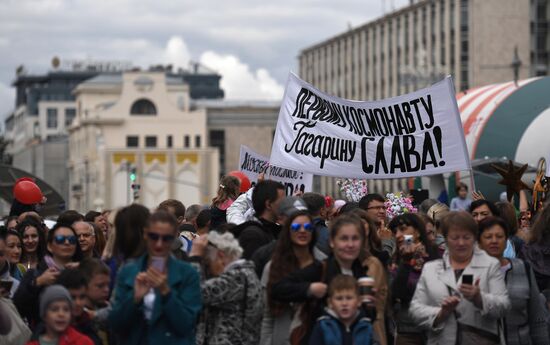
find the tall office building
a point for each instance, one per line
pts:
(473, 40)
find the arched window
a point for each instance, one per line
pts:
(143, 107)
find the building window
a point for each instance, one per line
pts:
(132, 141)
(70, 114)
(52, 118)
(197, 141)
(464, 46)
(143, 107)
(169, 141)
(186, 141)
(151, 141)
(217, 139)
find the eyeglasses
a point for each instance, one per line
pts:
(377, 208)
(86, 235)
(60, 239)
(155, 237)
(295, 227)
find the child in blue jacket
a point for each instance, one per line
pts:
(343, 322)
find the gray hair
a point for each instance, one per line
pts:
(226, 243)
(192, 212)
(89, 224)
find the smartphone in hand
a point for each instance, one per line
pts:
(158, 263)
(468, 279)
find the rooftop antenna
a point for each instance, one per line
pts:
(516, 64)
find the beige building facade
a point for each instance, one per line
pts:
(142, 123)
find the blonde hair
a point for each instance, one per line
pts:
(437, 212)
(110, 245)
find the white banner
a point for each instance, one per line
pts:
(252, 164)
(416, 134)
(547, 165)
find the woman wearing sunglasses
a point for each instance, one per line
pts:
(309, 284)
(157, 297)
(64, 250)
(293, 251)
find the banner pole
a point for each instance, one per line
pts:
(472, 180)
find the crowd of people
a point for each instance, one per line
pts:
(259, 267)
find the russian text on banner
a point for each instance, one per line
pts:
(416, 134)
(252, 164)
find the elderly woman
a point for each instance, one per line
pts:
(525, 322)
(460, 298)
(232, 295)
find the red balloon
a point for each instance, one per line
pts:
(245, 182)
(27, 192)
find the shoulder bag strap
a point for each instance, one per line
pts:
(244, 302)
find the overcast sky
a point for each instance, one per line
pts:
(251, 43)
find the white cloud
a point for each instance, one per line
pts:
(239, 81)
(259, 35)
(177, 53)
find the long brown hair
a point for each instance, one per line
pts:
(284, 260)
(540, 231)
(228, 189)
(373, 240)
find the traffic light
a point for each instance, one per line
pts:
(133, 175)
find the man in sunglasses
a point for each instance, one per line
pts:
(157, 298)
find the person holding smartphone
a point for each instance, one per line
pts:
(414, 249)
(460, 298)
(157, 298)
